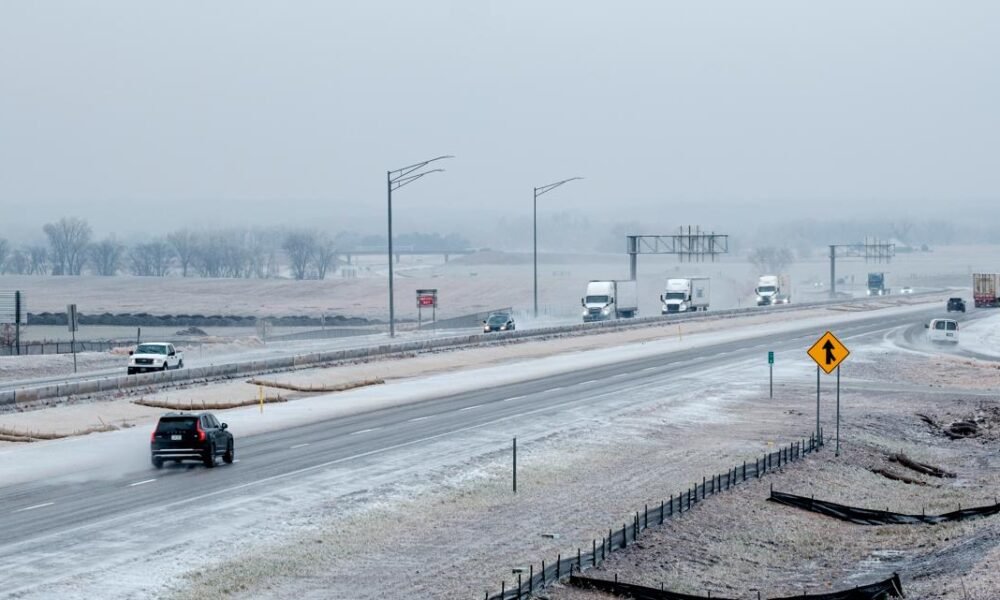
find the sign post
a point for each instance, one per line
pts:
(426, 298)
(71, 322)
(828, 352)
(770, 367)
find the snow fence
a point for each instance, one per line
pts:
(568, 565)
(866, 516)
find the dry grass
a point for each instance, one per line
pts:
(12, 434)
(315, 389)
(203, 405)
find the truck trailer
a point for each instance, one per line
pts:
(985, 288)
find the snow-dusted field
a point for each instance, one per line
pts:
(466, 288)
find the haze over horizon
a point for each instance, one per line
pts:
(723, 115)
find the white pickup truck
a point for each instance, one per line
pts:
(154, 356)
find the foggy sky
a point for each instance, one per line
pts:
(145, 116)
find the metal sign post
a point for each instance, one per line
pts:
(18, 310)
(770, 368)
(828, 352)
(837, 452)
(71, 322)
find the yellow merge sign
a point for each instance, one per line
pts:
(828, 352)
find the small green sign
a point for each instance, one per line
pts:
(770, 358)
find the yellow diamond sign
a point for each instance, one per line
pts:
(828, 352)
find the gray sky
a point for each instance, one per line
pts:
(144, 116)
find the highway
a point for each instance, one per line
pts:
(38, 516)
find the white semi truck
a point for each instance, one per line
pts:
(685, 294)
(610, 299)
(773, 289)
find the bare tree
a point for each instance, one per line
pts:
(771, 259)
(300, 247)
(18, 262)
(68, 239)
(4, 253)
(324, 257)
(185, 244)
(151, 259)
(106, 256)
(38, 260)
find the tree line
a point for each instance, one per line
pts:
(70, 249)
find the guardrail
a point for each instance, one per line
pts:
(285, 363)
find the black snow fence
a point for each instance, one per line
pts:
(890, 588)
(865, 516)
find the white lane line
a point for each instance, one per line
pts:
(555, 389)
(470, 407)
(298, 446)
(649, 369)
(514, 398)
(365, 431)
(621, 375)
(589, 381)
(141, 482)
(34, 507)
(418, 419)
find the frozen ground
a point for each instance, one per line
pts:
(466, 288)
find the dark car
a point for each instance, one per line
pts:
(956, 304)
(191, 436)
(498, 322)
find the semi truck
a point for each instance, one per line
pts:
(685, 294)
(986, 290)
(773, 289)
(610, 299)
(876, 285)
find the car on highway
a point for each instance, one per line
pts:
(498, 322)
(191, 436)
(906, 290)
(154, 356)
(942, 330)
(956, 305)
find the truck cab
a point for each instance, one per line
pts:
(685, 294)
(610, 300)
(876, 285)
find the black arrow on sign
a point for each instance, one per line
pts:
(830, 358)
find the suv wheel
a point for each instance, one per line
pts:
(210, 457)
(230, 454)
(157, 462)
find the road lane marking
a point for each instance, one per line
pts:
(589, 381)
(649, 369)
(418, 419)
(35, 506)
(298, 446)
(470, 407)
(141, 482)
(514, 398)
(555, 389)
(365, 431)
(621, 375)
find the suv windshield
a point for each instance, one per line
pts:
(497, 320)
(151, 349)
(176, 424)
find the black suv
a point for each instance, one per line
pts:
(956, 304)
(498, 322)
(186, 436)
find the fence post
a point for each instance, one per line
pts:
(624, 537)
(671, 505)
(594, 562)
(744, 470)
(518, 586)
(579, 560)
(558, 565)
(543, 572)
(645, 516)
(661, 512)
(531, 578)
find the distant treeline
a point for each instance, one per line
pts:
(70, 249)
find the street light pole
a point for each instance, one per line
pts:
(393, 181)
(534, 227)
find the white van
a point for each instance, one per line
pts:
(942, 330)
